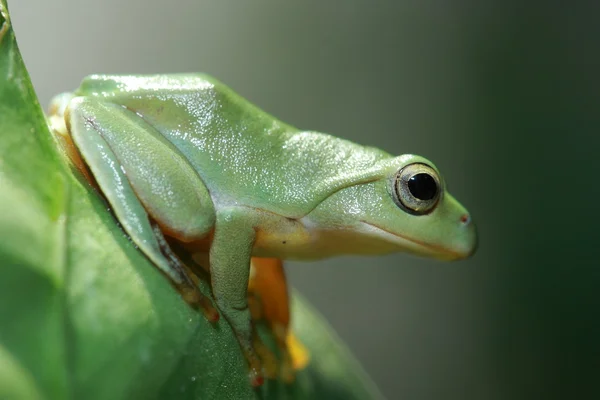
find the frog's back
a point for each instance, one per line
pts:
(244, 155)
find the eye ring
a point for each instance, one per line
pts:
(417, 188)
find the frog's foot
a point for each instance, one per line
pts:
(270, 362)
(267, 358)
(288, 373)
(255, 367)
(250, 344)
(187, 287)
(269, 301)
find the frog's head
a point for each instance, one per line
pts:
(404, 206)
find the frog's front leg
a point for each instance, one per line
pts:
(230, 254)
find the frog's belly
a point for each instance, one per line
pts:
(287, 240)
(292, 239)
(281, 237)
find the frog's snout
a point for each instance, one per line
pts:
(470, 242)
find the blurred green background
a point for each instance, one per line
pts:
(502, 96)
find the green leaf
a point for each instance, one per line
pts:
(83, 314)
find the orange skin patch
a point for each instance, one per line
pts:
(268, 281)
(66, 143)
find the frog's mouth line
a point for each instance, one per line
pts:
(444, 252)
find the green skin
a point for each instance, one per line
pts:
(189, 154)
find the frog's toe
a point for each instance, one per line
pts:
(195, 298)
(211, 313)
(256, 378)
(255, 372)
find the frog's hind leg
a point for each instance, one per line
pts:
(150, 187)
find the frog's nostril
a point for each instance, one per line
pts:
(465, 219)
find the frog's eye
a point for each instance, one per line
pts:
(417, 188)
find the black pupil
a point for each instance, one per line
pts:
(422, 186)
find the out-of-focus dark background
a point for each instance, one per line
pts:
(503, 96)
